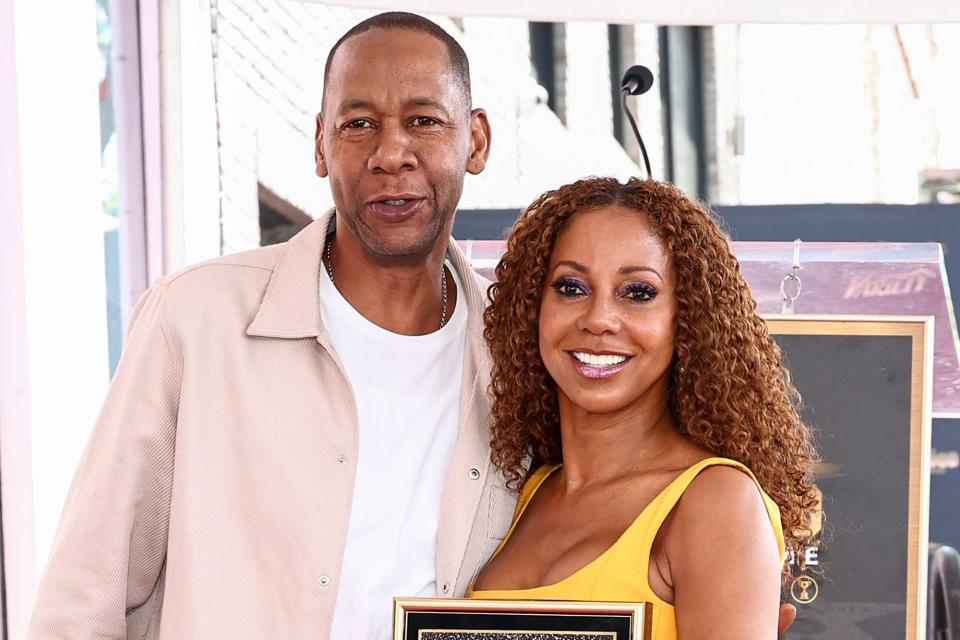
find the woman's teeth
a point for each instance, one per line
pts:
(595, 360)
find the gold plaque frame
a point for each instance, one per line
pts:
(920, 330)
(638, 614)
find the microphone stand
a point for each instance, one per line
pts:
(636, 132)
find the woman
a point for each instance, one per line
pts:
(631, 366)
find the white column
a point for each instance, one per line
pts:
(126, 89)
(151, 119)
(53, 329)
(191, 167)
(15, 465)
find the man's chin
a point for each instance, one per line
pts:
(401, 247)
(401, 241)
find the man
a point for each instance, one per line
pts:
(298, 433)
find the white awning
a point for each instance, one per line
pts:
(687, 12)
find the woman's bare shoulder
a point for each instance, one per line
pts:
(721, 520)
(721, 500)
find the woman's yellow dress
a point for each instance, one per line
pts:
(620, 573)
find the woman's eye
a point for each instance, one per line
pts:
(640, 292)
(569, 288)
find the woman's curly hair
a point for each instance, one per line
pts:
(729, 391)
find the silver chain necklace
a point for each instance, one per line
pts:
(443, 280)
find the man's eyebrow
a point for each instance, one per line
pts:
(416, 101)
(354, 105)
(423, 101)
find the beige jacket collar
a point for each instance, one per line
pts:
(290, 307)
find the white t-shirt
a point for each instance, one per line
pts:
(407, 390)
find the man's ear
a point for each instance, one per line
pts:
(479, 141)
(319, 161)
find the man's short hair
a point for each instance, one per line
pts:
(411, 22)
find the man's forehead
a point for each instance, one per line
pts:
(391, 65)
(391, 51)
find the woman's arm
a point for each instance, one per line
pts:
(723, 559)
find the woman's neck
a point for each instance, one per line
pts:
(598, 448)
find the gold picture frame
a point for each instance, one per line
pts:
(472, 619)
(917, 370)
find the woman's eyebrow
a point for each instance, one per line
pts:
(576, 266)
(573, 265)
(633, 269)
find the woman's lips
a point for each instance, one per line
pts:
(396, 210)
(597, 371)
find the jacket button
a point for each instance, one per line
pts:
(474, 474)
(324, 581)
(341, 458)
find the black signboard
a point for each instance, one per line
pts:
(475, 619)
(865, 387)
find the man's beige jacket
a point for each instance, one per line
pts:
(213, 499)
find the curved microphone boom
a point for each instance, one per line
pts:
(636, 80)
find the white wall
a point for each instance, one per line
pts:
(53, 330)
(830, 113)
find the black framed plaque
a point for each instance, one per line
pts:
(467, 619)
(865, 384)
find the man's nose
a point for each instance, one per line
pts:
(600, 315)
(394, 150)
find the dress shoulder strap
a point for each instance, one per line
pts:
(530, 486)
(661, 506)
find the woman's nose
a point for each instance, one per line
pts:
(600, 315)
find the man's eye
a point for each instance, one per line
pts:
(359, 123)
(424, 121)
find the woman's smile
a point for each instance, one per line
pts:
(598, 365)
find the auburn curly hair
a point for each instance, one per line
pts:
(729, 391)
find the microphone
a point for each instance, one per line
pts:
(636, 80)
